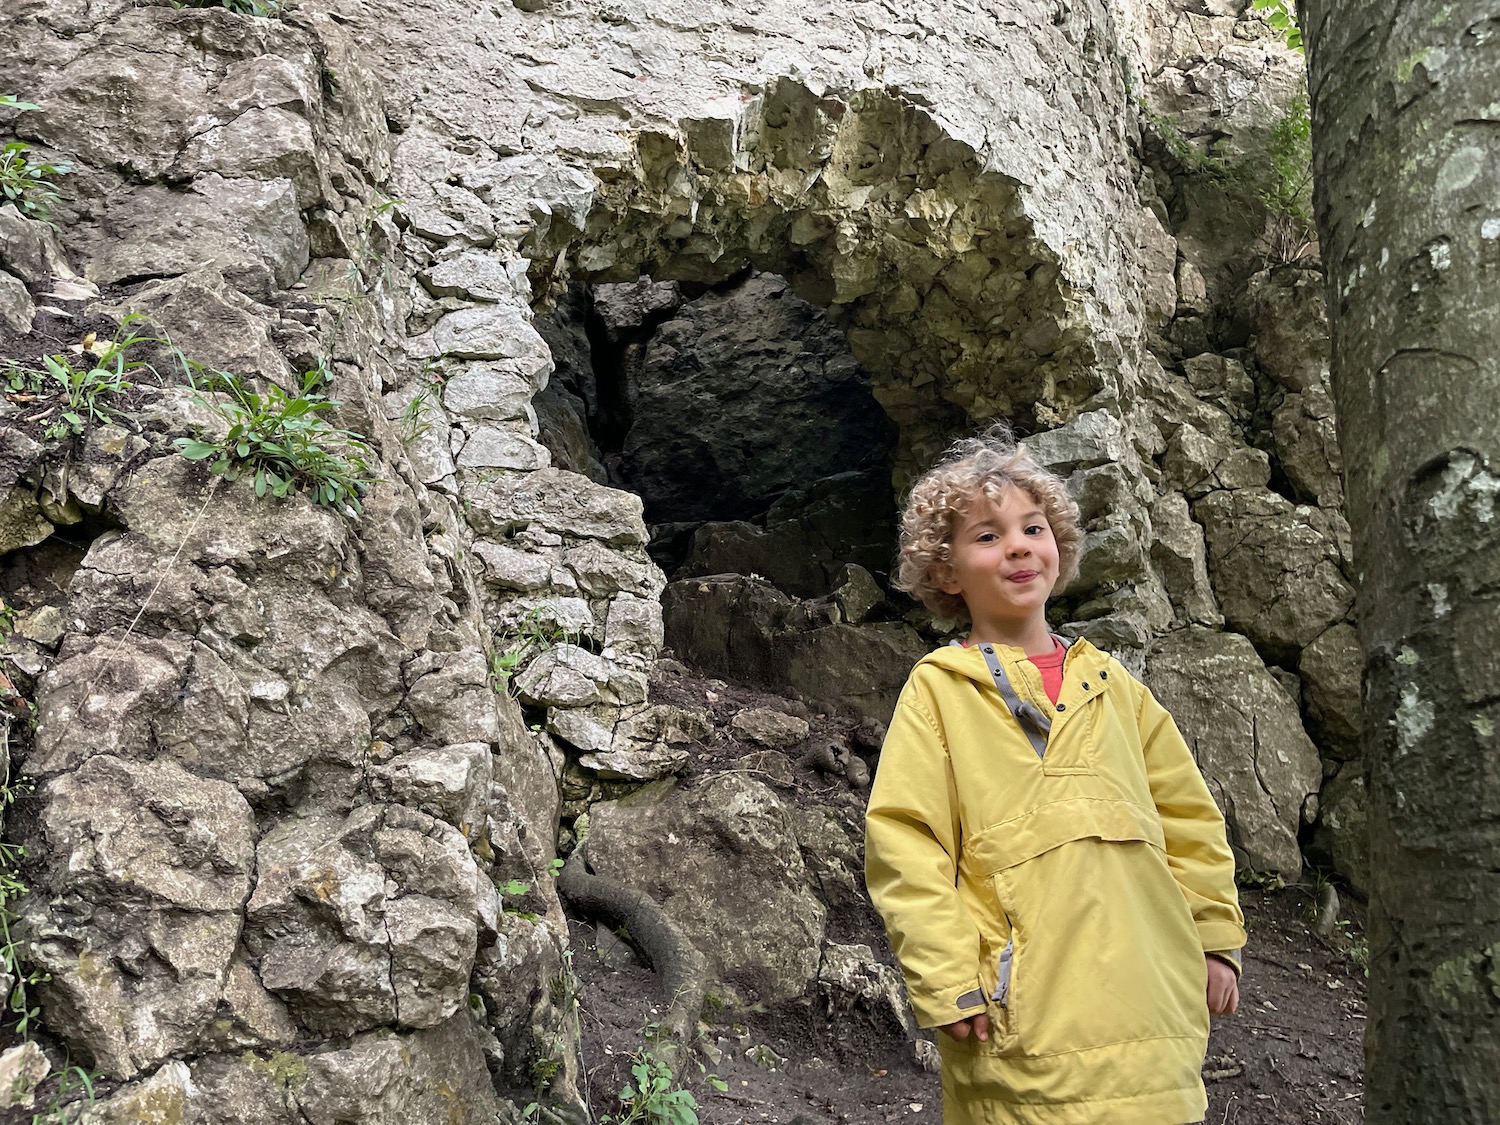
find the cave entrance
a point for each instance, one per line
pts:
(740, 417)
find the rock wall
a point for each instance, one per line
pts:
(276, 784)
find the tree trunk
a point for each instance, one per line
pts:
(1406, 142)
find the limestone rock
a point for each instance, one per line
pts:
(368, 920)
(722, 860)
(1306, 436)
(157, 864)
(1247, 737)
(496, 447)
(1179, 554)
(29, 249)
(17, 310)
(745, 629)
(1222, 381)
(1330, 669)
(1286, 307)
(1275, 566)
(250, 230)
(1091, 439)
(809, 535)
(455, 701)
(211, 321)
(21, 1068)
(557, 501)
(451, 783)
(770, 728)
(832, 854)
(850, 975)
(21, 521)
(1197, 463)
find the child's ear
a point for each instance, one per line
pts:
(943, 578)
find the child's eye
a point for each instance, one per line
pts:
(1034, 529)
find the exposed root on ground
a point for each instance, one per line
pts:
(657, 938)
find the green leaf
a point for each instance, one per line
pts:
(195, 450)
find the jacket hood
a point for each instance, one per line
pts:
(969, 662)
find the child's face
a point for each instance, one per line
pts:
(1004, 561)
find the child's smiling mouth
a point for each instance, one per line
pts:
(1021, 576)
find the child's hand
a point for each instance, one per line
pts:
(1223, 988)
(979, 1025)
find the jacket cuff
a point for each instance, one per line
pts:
(1218, 934)
(1231, 957)
(950, 1006)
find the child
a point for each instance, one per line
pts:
(1051, 868)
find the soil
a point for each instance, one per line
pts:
(1291, 1054)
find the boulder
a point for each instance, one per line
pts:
(157, 865)
(1180, 557)
(808, 537)
(744, 629)
(1247, 738)
(770, 728)
(1342, 833)
(369, 919)
(721, 858)
(1276, 568)
(1330, 668)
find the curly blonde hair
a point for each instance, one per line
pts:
(984, 465)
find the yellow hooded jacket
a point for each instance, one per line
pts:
(1099, 873)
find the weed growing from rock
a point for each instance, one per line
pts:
(74, 391)
(24, 181)
(534, 635)
(282, 441)
(239, 7)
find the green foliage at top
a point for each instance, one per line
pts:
(239, 7)
(24, 181)
(282, 440)
(1277, 177)
(1283, 18)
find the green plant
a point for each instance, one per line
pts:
(239, 7)
(1283, 18)
(23, 180)
(534, 634)
(82, 387)
(18, 1002)
(654, 1098)
(7, 618)
(1285, 186)
(71, 1079)
(414, 422)
(1277, 179)
(282, 440)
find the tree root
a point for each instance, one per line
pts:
(676, 961)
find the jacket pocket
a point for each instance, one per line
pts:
(1001, 995)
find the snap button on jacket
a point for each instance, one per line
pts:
(1102, 866)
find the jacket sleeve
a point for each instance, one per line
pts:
(1197, 847)
(912, 844)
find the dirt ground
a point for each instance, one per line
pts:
(1292, 1054)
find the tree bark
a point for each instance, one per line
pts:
(1406, 142)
